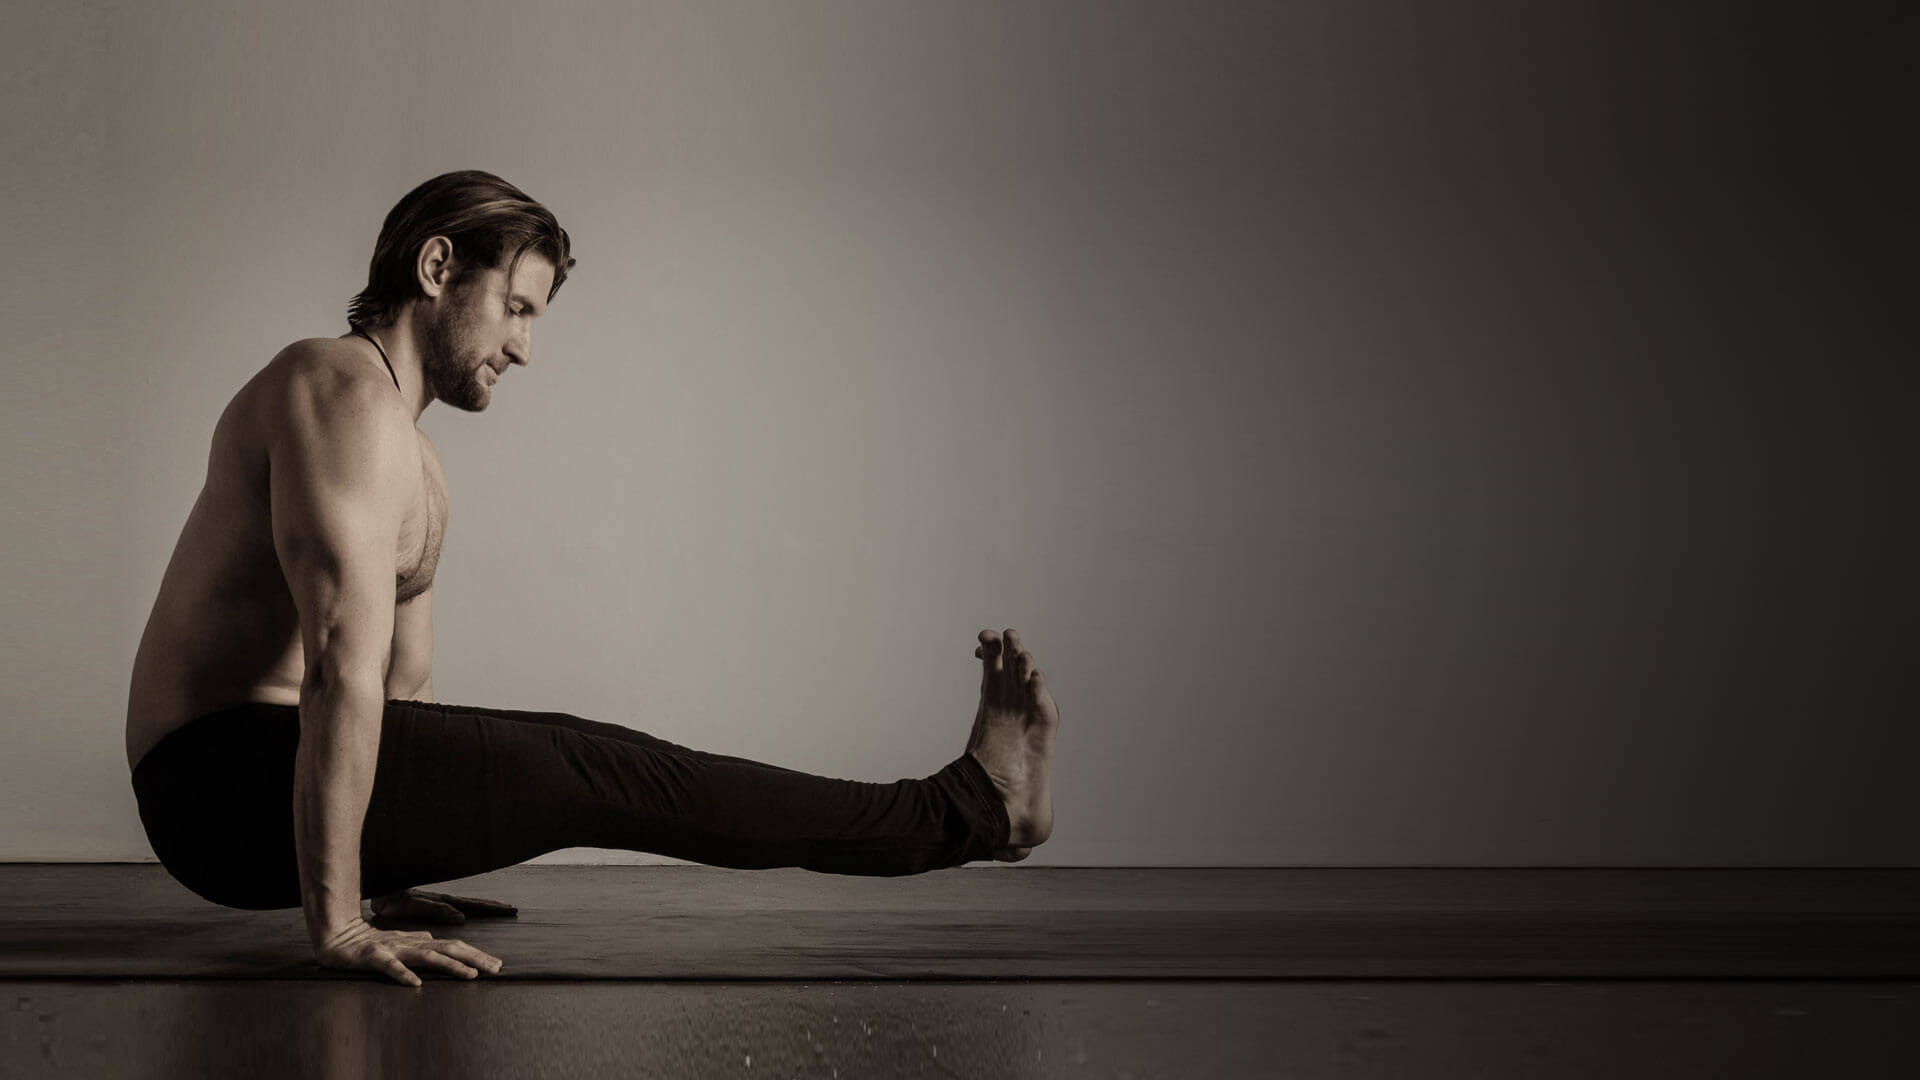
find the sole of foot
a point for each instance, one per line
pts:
(1012, 739)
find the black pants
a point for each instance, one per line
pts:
(462, 790)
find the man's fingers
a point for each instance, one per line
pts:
(434, 911)
(473, 905)
(421, 907)
(397, 971)
(471, 954)
(440, 961)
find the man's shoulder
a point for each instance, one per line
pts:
(332, 377)
(319, 391)
(330, 363)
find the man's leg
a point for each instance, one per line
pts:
(589, 727)
(734, 811)
(1011, 745)
(460, 791)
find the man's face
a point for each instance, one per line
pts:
(481, 325)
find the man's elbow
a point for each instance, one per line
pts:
(334, 677)
(408, 685)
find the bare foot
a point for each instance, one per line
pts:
(1013, 740)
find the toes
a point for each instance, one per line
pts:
(1021, 662)
(991, 650)
(1003, 654)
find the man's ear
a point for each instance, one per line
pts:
(433, 270)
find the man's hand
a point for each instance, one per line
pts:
(359, 947)
(418, 905)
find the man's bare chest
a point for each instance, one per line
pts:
(418, 552)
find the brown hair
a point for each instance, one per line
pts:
(481, 214)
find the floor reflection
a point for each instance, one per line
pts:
(526, 1028)
(343, 1029)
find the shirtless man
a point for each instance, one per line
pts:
(299, 598)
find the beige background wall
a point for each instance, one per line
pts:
(1404, 438)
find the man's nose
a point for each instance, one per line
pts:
(520, 350)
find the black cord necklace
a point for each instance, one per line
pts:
(383, 357)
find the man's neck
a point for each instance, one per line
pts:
(398, 341)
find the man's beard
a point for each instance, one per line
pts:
(446, 371)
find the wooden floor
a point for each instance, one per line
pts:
(115, 970)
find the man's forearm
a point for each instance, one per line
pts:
(332, 783)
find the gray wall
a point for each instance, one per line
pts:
(1405, 437)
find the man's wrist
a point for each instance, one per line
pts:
(321, 931)
(338, 934)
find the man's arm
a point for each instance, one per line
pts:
(342, 472)
(410, 670)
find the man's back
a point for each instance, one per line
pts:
(224, 629)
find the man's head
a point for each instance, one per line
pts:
(472, 261)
